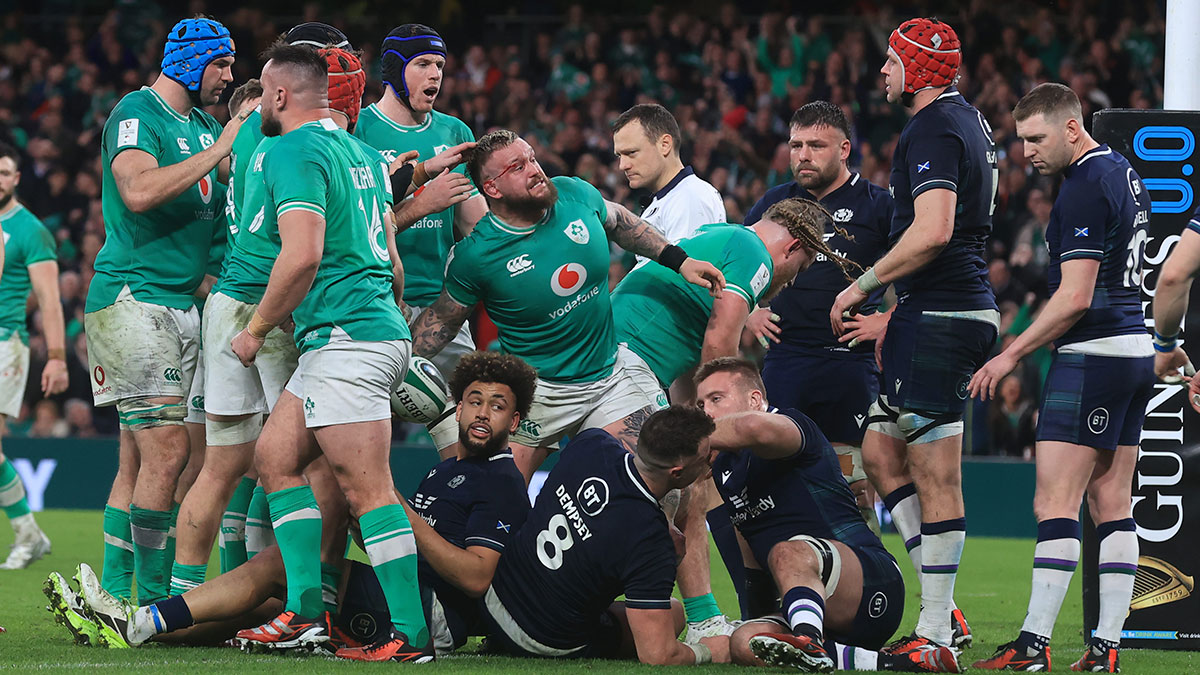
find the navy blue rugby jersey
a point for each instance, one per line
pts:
(1102, 213)
(773, 500)
(595, 532)
(947, 144)
(1194, 223)
(864, 211)
(470, 502)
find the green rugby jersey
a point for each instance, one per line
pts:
(423, 246)
(662, 318)
(26, 241)
(318, 167)
(160, 254)
(545, 286)
(218, 251)
(247, 139)
(255, 244)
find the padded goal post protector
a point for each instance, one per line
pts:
(1165, 610)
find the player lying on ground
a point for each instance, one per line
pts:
(596, 532)
(784, 486)
(471, 502)
(538, 261)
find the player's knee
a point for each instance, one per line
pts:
(739, 645)
(146, 412)
(226, 430)
(789, 557)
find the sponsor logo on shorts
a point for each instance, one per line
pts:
(530, 428)
(172, 375)
(725, 476)
(1097, 420)
(878, 605)
(198, 402)
(858, 419)
(98, 375)
(898, 382)
(578, 232)
(592, 496)
(661, 400)
(519, 265)
(568, 279)
(309, 407)
(456, 481)
(363, 625)
(962, 387)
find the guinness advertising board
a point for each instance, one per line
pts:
(1165, 610)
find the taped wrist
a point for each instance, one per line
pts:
(259, 327)
(702, 652)
(1165, 343)
(420, 175)
(401, 180)
(868, 282)
(672, 257)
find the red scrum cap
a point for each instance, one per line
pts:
(346, 82)
(930, 52)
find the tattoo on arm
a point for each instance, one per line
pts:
(632, 233)
(438, 325)
(631, 427)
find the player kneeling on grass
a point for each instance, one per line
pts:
(597, 531)
(784, 485)
(471, 502)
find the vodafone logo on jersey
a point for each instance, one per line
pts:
(568, 279)
(206, 188)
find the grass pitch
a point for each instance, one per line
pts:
(992, 589)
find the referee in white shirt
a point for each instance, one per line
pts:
(646, 141)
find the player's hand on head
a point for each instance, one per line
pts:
(762, 325)
(1168, 365)
(448, 158)
(54, 377)
(245, 347)
(446, 190)
(984, 382)
(703, 274)
(845, 305)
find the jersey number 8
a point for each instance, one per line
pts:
(551, 544)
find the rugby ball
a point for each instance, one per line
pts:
(423, 393)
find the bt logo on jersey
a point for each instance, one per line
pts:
(568, 279)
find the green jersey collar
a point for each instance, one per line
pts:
(400, 127)
(513, 229)
(14, 210)
(166, 106)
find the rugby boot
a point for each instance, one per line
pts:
(110, 614)
(1012, 656)
(927, 658)
(393, 647)
(286, 632)
(907, 644)
(1099, 658)
(963, 637)
(68, 610)
(30, 545)
(803, 652)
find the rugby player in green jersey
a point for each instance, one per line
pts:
(161, 156)
(28, 260)
(329, 194)
(538, 261)
(447, 207)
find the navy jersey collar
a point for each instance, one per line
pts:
(683, 173)
(1097, 151)
(800, 191)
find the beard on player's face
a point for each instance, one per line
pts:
(496, 441)
(270, 125)
(532, 206)
(6, 198)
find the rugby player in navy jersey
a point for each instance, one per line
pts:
(805, 348)
(596, 532)
(469, 506)
(782, 481)
(1171, 304)
(943, 181)
(1095, 395)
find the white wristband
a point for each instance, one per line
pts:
(703, 653)
(868, 282)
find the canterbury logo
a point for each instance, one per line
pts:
(519, 265)
(1158, 582)
(172, 375)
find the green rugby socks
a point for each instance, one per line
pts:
(392, 550)
(297, 522)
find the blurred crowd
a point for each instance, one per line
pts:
(731, 78)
